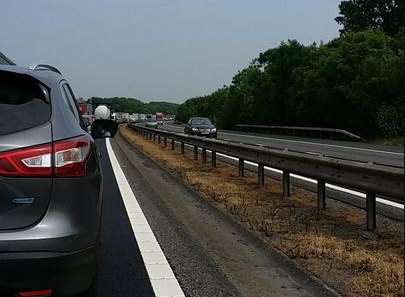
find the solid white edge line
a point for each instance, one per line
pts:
(161, 276)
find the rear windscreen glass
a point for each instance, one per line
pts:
(23, 103)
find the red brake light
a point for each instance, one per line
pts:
(39, 293)
(65, 158)
(31, 161)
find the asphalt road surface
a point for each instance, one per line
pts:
(382, 155)
(161, 239)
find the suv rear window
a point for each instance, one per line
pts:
(24, 103)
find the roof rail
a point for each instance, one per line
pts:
(5, 60)
(45, 67)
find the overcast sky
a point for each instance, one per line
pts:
(156, 49)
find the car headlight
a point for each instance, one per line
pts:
(214, 130)
(194, 129)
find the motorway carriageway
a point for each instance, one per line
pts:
(391, 156)
(159, 238)
(382, 155)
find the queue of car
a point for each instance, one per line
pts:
(50, 176)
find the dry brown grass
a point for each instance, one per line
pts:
(332, 244)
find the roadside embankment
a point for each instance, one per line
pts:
(331, 245)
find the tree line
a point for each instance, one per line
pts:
(131, 105)
(353, 82)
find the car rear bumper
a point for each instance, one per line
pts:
(65, 273)
(211, 135)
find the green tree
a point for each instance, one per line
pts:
(279, 65)
(359, 15)
(353, 82)
(347, 82)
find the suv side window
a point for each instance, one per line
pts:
(68, 100)
(71, 101)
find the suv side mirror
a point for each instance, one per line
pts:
(103, 128)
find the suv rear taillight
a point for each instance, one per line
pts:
(64, 158)
(30, 161)
(71, 156)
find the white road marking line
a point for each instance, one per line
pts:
(312, 153)
(162, 278)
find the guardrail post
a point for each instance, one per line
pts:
(172, 144)
(213, 159)
(371, 211)
(260, 174)
(286, 184)
(159, 141)
(165, 141)
(321, 195)
(154, 137)
(204, 156)
(195, 152)
(182, 147)
(241, 167)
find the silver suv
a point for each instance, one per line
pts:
(50, 187)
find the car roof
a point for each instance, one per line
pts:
(199, 118)
(45, 76)
(5, 60)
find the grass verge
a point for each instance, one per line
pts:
(332, 244)
(395, 141)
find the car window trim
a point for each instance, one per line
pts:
(66, 97)
(81, 121)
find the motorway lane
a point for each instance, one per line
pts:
(122, 271)
(122, 268)
(208, 252)
(339, 149)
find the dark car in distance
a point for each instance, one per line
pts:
(201, 127)
(50, 187)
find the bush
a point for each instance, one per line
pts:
(389, 121)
